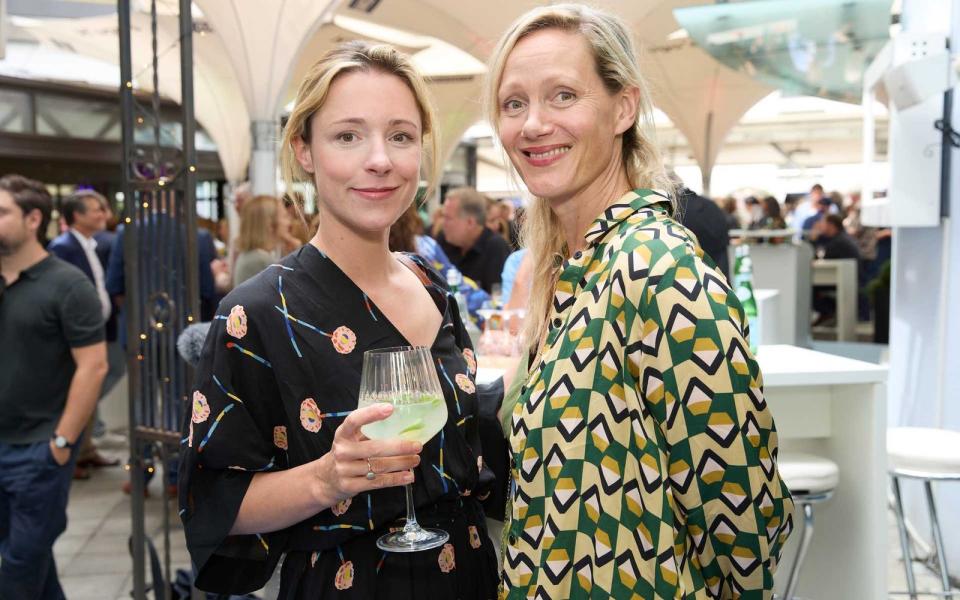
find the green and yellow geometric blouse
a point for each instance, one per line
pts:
(644, 454)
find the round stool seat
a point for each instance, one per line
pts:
(808, 474)
(924, 452)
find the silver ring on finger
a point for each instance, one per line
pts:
(370, 474)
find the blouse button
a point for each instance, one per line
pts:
(523, 390)
(577, 255)
(557, 323)
(512, 539)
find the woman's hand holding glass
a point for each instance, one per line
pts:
(343, 472)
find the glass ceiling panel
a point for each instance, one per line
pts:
(816, 48)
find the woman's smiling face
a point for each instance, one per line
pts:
(364, 151)
(557, 121)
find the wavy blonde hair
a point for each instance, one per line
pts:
(350, 57)
(618, 67)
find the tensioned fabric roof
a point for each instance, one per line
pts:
(250, 54)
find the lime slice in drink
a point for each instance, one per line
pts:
(412, 429)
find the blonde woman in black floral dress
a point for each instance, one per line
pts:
(273, 461)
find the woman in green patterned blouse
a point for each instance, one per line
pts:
(643, 453)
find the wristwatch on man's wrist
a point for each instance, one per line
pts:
(61, 442)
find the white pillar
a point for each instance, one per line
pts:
(263, 163)
(924, 389)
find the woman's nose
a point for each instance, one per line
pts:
(378, 160)
(536, 124)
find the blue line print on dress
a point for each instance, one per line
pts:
(456, 397)
(286, 313)
(213, 427)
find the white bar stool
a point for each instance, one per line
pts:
(930, 455)
(811, 480)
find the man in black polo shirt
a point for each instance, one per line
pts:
(472, 247)
(53, 362)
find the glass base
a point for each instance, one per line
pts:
(417, 540)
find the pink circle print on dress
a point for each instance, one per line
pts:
(471, 359)
(341, 507)
(310, 415)
(237, 322)
(344, 579)
(344, 339)
(280, 437)
(201, 409)
(474, 537)
(465, 383)
(446, 560)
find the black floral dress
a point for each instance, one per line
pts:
(280, 371)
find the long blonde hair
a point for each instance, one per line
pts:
(347, 58)
(258, 224)
(618, 68)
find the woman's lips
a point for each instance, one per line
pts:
(375, 193)
(542, 156)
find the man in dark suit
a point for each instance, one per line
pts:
(709, 223)
(86, 215)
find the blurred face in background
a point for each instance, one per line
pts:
(455, 225)
(92, 219)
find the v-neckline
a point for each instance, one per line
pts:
(436, 298)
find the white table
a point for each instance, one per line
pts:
(834, 407)
(840, 273)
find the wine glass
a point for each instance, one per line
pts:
(406, 378)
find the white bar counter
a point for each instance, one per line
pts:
(833, 407)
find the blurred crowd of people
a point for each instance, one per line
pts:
(831, 222)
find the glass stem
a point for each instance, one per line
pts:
(411, 524)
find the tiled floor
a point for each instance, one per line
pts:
(94, 563)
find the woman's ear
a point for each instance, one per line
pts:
(304, 156)
(627, 106)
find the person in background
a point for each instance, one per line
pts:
(770, 219)
(833, 242)
(729, 206)
(620, 306)
(812, 210)
(809, 226)
(85, 212)
(264, 229)
(500, 220)
(406, 235)
(706, 220)
(754, 212)
(472, 247)
(297, 232)
(511, 271)
(53, 362)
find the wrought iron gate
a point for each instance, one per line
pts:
(161, 270)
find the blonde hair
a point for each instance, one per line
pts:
(258, 224)
(618, 68)
(347, 58)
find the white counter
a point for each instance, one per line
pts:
(835, 407)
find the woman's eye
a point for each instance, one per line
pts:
(402, 137)
(512, 106)
(347, 137)
(565, 96)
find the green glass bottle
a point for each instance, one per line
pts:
(743, 286)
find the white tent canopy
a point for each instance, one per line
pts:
(250, 55)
